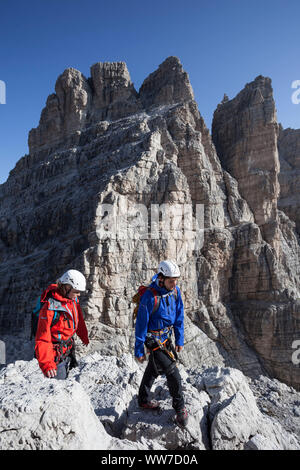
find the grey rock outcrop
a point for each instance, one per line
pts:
(99, 142)
(236, 423)
(168, 85)
(114, 95)
(40, 414)
(96, 408)
(289, 176)
(65, 112)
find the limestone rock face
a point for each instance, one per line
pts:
(65, 112)
(114, 95)
(167, 85)
(289, 177)
(245, 133)
(117, 180)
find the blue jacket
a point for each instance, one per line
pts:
(163, 317)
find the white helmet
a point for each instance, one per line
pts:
(74, 278)
(168, 269)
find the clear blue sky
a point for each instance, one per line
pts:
(222, 44)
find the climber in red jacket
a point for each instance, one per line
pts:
(59, 319)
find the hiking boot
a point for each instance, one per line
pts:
(181, 417)
(150, 405)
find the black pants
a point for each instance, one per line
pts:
(63, 369)
(160, 363)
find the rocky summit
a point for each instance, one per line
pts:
(118, 179)
(98, 410)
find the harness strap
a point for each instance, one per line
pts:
(161, 345)
(161, 332)
(58, 345)
(166, 346)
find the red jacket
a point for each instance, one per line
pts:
(72, 321)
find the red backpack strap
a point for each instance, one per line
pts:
(156, 299)
(142, 290)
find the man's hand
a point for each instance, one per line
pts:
(141, 358)
(51, 373)
(179, 348)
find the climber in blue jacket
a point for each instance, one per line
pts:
(160, 311)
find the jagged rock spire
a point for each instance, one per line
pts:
(108, 94)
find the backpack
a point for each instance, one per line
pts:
(35, 317)
(157, 298)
